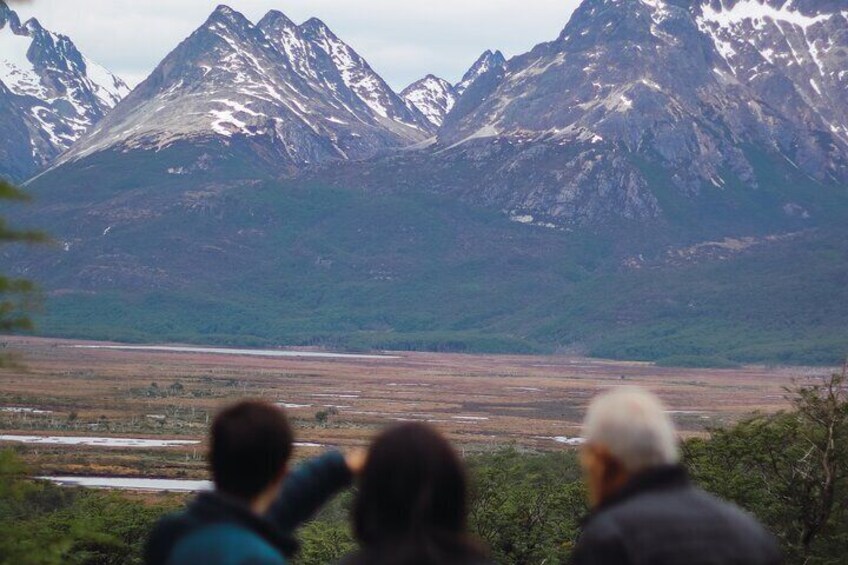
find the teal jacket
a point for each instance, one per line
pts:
(217, 530)
(225, 544)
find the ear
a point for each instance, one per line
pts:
(605, 472)
(614, 475)
(613, 470)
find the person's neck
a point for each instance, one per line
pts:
(262, 503)
(613, 487)
(661, 476)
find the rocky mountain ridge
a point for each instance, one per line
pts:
(50, 94)
(710, 99)
(292, 94)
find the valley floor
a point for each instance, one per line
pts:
(99, 409)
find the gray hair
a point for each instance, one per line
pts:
(632, 424)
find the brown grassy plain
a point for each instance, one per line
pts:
(480, 401)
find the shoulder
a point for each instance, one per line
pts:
(643, 524)
(676, 507)
(731, 512)
(225, 544)
(743, 522)
(601, 542)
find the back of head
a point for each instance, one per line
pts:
(633, 426)
(412, 501)
(250, 446)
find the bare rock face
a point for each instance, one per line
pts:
(291, 95)
(50, 94)
(640, 95)
(488, 63)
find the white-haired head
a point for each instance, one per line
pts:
(633, 426)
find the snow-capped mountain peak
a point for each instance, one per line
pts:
(275, 22)
(486, 63)
(224, 13)
(356, 73)
(226, 22)
(432, 96)
(359, 77)
(286, 37)
(53, 93)
(317, 28)
(297, 92)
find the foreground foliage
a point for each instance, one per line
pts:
(789, 469)
(45, 524)
(15, 294)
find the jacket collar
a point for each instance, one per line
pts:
(659, 478)
(213, 507)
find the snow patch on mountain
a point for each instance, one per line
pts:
(757, 12)
(108, 87)
(16, 71)
(432, 96)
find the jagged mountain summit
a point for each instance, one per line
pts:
(487, 63)
(334, 69)
(640, 103)
(288, 95)
(360, 77)
(478, 83)
(436, 98)
(432, 96)
(50, 94)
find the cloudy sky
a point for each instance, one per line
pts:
(402, 39)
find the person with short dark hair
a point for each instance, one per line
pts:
(256, 505)
(251, 443)
(412, 504)
(645, 508)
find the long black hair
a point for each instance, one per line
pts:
(412, 504)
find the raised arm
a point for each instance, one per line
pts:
(311, 485)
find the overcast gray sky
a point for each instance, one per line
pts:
(402, 39)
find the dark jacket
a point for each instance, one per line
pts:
(660, 518)
(218, 530)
